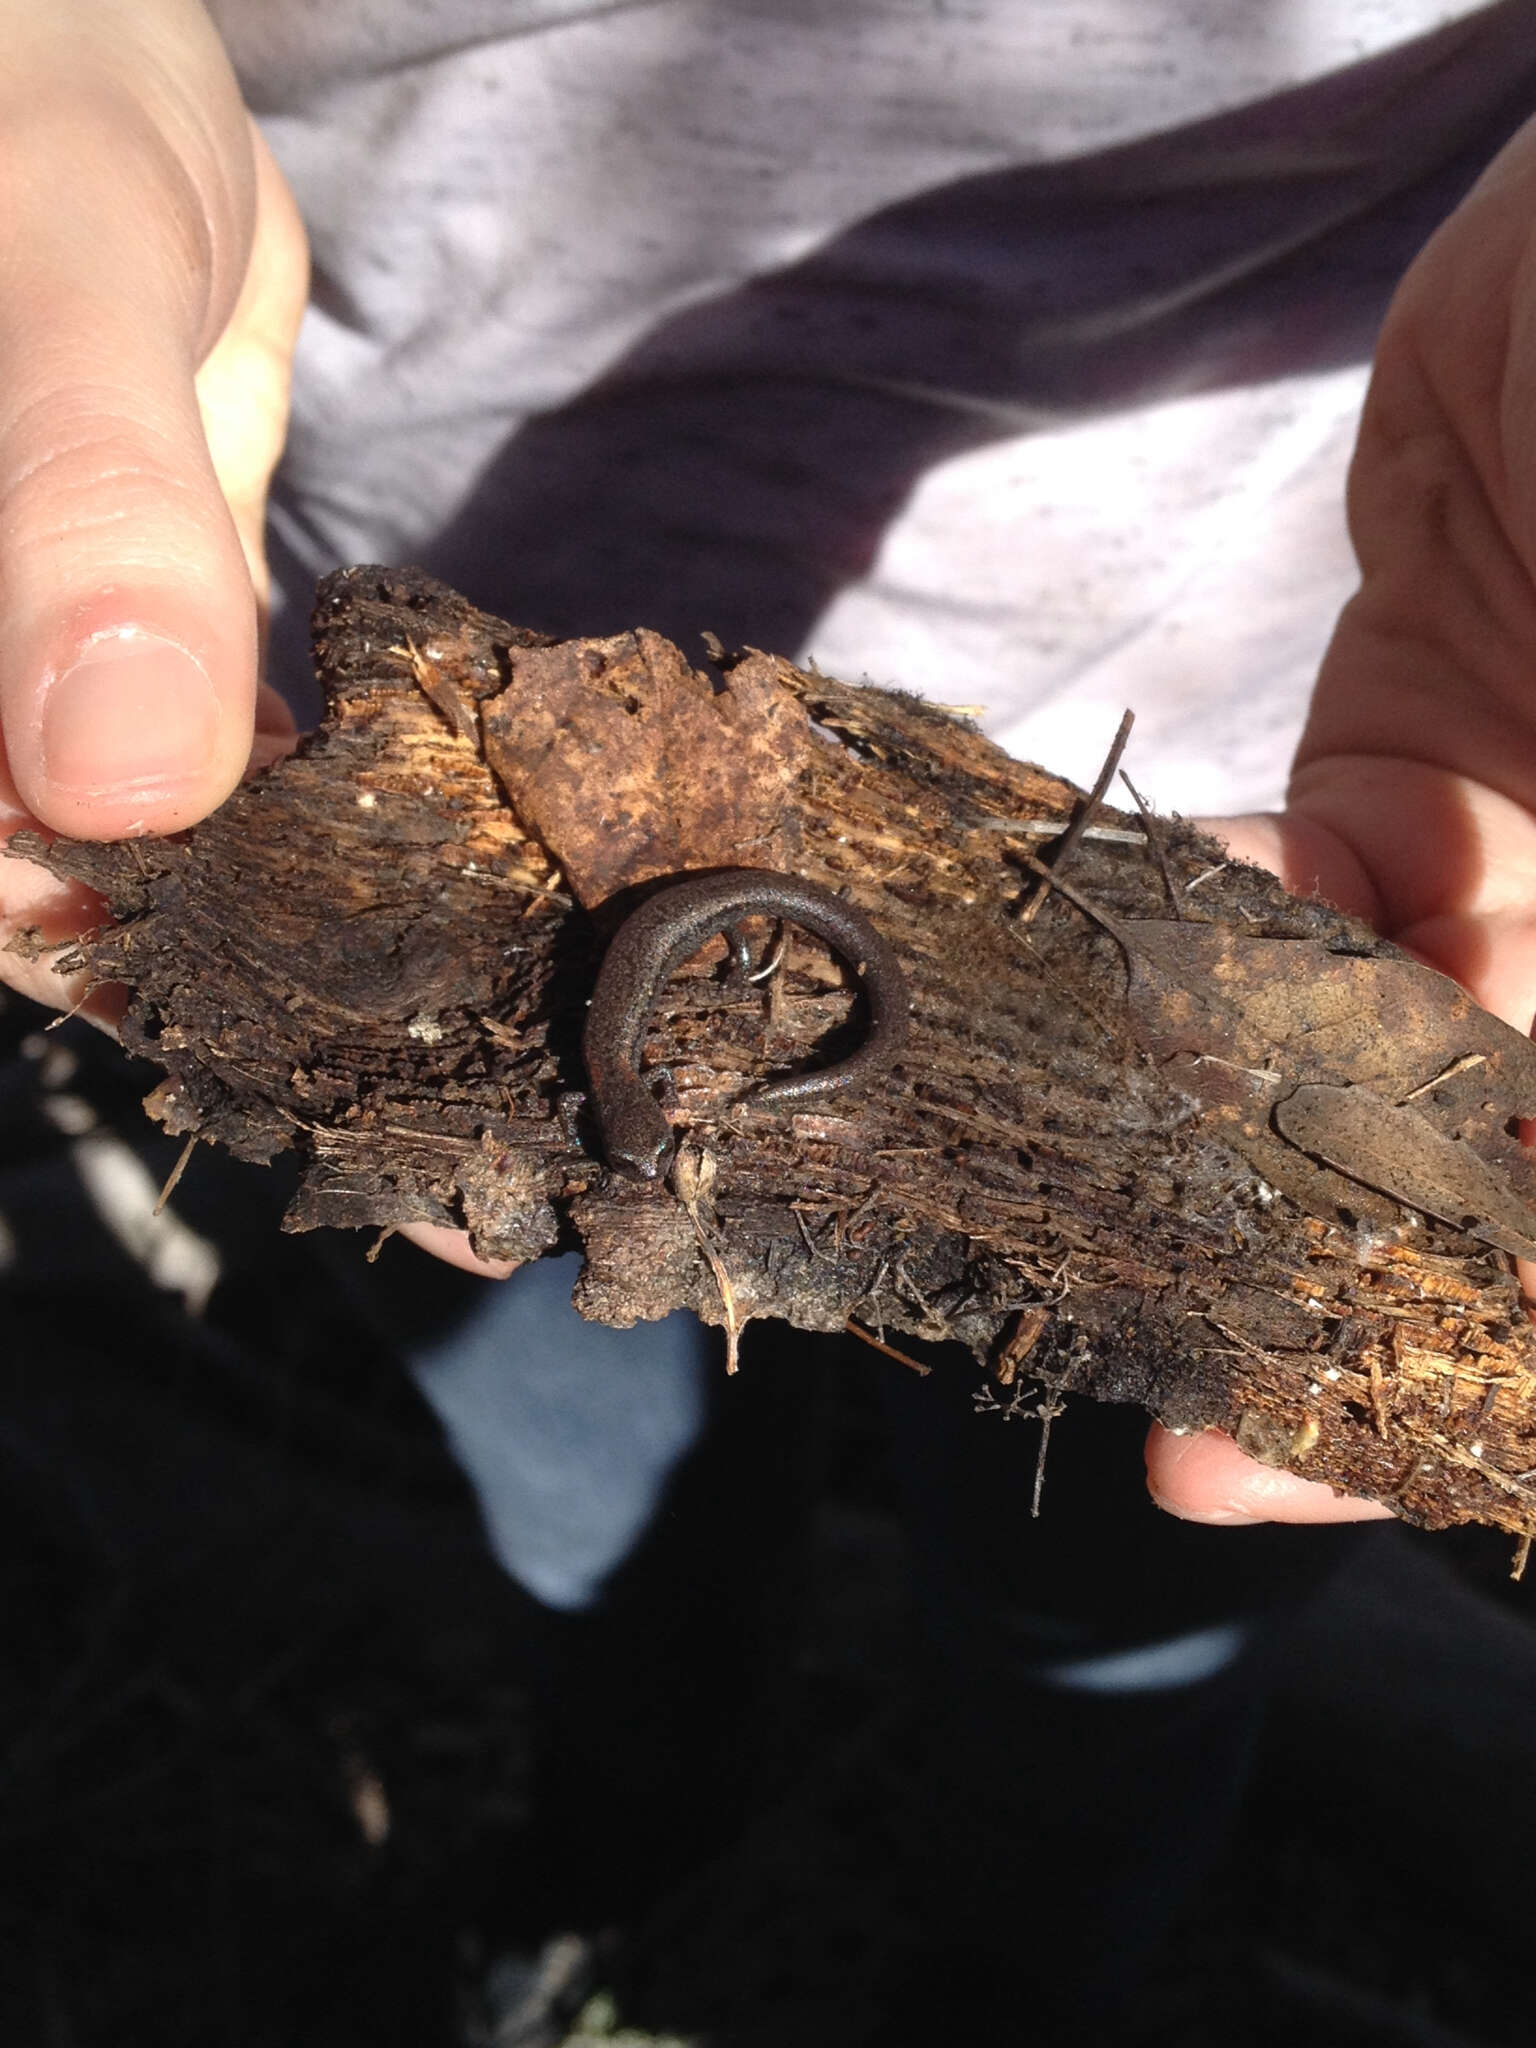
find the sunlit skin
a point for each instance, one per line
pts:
(153, 271)
(152, 275)
(1413, 797)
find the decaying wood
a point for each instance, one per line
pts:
(1161, 1132)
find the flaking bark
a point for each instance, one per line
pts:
(1161, 1132)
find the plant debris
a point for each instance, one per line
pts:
(1227, 1154)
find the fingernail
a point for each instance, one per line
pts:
(135, 714)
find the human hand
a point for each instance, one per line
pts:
(154, 277)
(1413, 797)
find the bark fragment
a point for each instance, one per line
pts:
(1228, 1155)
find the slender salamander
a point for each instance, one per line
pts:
(669, 928)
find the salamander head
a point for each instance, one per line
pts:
(637, 1139)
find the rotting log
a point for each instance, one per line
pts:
(1160, 1132)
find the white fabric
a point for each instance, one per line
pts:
(1204, 610)
(511, 202)
(1165, 1666)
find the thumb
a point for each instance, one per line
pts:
(1309, 858)
(128, 662)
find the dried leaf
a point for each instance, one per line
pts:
(634, 764)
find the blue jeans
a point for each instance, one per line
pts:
(568, 1432)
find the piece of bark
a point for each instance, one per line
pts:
(1160, 1132)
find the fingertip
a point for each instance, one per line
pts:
(41, 914)
(1309, 857)
(131, 736)
(1255, 837)
(1205, 1478)
(453, 1248)
(1186, 1477)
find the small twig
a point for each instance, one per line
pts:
(175, 1174)
(1079, 825)
(1461, 1066)
(1265, 1075)
(1029, 1327)
(1049, 879)
(1209, 875)
(856, 1330)
(693, 1176)
(1050, 1407)
(1155, 841)
(1245, 1348)
(871, 1293)
(68, 1016)
(1052, 828)
(1016, 1409)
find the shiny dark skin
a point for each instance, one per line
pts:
(667, 929)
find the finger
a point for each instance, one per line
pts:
(1206, 1478)
(128, 666)
(244, 383)
(452, 1246)
(1454, 862)
(39, 914)
(1445, 867)
(1309, 858)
